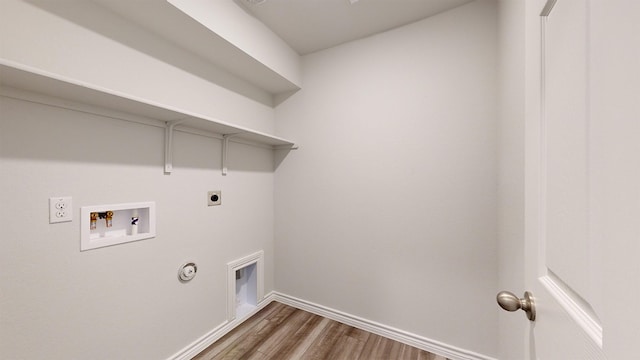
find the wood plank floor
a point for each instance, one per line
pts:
(282, 332)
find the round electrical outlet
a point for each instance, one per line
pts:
(214, 198)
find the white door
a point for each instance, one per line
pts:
(582, 186)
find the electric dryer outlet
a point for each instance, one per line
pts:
(214, 198)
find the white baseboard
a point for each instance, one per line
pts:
(216, 333)
(404, 337)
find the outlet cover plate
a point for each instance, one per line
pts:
(214, 198)
(60, 209)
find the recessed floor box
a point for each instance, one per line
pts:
(106, 225)
(245, 287)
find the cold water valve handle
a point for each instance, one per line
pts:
(510, 302)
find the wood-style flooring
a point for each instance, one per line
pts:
(282, 332)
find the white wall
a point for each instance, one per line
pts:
(511, 37)
(615, 110)
(82, 41)
(389, 209)
(125, 301)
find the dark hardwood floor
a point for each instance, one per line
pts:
(282, 332)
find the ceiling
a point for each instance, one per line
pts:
(312, 25)
(157, 28)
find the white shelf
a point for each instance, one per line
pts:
(191, 35)
(33, 80)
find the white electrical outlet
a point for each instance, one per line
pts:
(60, 209)
(214, 198)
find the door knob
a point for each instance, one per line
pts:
(510, 302)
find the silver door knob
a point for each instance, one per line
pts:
(510, 302)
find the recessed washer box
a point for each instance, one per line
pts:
(106, 225)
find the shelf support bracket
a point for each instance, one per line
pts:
(168, 144)
(225, 150)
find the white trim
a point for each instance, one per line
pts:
(546, 10)
(432, 346)
(216, 333)
(578, 309)
(255, 258)
(542, 148)
(588, 323)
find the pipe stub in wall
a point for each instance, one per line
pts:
(187, 271)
